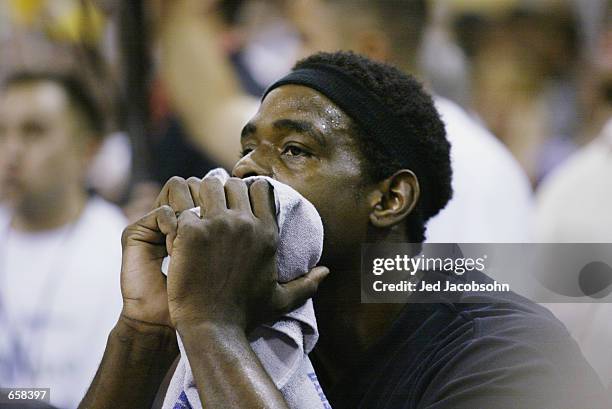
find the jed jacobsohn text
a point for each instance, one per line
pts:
(447, 286)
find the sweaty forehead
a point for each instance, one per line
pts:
(295, 101)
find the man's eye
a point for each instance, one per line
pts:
(293, 150)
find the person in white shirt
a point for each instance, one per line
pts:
(574, 206)
(492, 199)
(574, 202)
(60, 251)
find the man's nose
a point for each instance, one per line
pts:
(251, 166)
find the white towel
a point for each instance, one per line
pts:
(283, 347)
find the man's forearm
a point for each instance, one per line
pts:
(227, 372)
(135, 362)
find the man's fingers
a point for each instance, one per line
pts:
(188, 224)
(237, 195)
(262, 201)
(155, 225)
(160, 220)
(167, 223)
(212, 197)
(179, 196)
(295, 293)
(176, 194)
(194, 189)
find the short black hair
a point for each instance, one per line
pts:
(405, 98)
(79, 96)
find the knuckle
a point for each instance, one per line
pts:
(125, 235)
(234, 183)
(210, 182)
(269, 233)
(269, 242)
(188, 229)
(280, 302)
(244, 222)
(219, 221)
(261, 183)
(193, 179)
(165, 210)
(129, 232)
(175, 181)
(238, 223)
(220, 226)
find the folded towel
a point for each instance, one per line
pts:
(282, 347)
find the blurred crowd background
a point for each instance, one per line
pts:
(536, 73)
(176, 80)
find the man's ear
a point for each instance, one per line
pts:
(394, 199)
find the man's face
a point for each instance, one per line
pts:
(40, 153)
(300, 138)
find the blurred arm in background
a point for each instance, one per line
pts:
(200, 79)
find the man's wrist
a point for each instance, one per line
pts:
(189, 321)
(210, 330)
(144, 335)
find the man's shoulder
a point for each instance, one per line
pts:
(516, 351)
(503, 318)
(512, 318)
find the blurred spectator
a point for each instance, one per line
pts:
(451, 79)
(206, 93)
(573, 205)
(60, 252)
(492, 197)
(596, 91)
(68, 36)
(524, 61)
(574, 202)
(109, 172)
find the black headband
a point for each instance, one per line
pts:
(366, 109)
(363, 106)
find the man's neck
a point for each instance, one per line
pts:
(347, 327)
(49, 213)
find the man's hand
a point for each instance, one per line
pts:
(145, 244)
(223, 267)
(143, 345)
